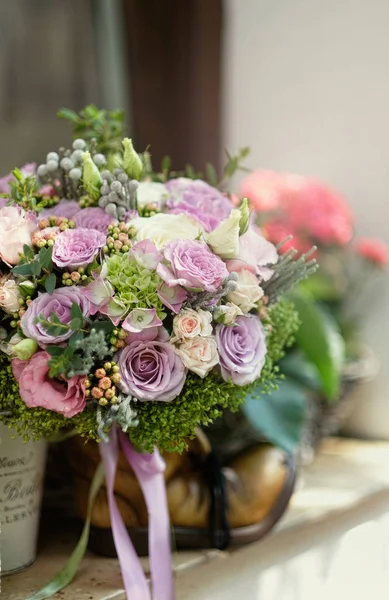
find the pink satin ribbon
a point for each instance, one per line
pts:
(149, 469)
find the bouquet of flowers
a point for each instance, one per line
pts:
(134, 304)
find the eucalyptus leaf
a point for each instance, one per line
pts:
(76, 337)
(28, 252)
(36, 268)
(45, 258)
(26, 269)
(50, 282)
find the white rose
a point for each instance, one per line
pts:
(162, 229)
(224, 240)
(199, 354)
(151, 192)
(190, 323)
(9, 296)
(248, 292)
(227, 313)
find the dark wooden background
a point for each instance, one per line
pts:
(48, 59)
(174, 54)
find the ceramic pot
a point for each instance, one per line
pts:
(22, 467)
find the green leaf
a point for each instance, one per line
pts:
(190, 172)
(50, 283)
(67, 574)
(166, 164)
(76, 312)
(28, 252)
(77, 316)
(55, 351)
(212, 177)
(320, 340)
(76, 337)
(280, 415)
(321, 285)
(93, 266)
(297, 367)
(36, 268)
(45, 259)
(62, 359)
(106, 326)
(53, 326)
(66, 113)
(18, 174)
(26, 269)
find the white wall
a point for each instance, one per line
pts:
(306, 85)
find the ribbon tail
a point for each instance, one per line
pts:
(149, 469)
(66, 575)
(134, 579)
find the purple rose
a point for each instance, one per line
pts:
(93, 218)
(242, 349)
(60, 302)
(65, 208)
(151, 370)
(77, 247)
(192, 265)
(198, 200)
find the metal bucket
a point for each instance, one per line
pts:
(22, 468)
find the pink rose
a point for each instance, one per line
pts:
(16, 227)
(37, 389)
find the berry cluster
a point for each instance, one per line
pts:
(48, 228)
(119, 238)
(117, 339)
(74, 277)
(101, 385)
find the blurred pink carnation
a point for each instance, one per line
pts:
(373, 250)
(303, 207)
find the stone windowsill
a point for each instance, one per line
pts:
(347, 485)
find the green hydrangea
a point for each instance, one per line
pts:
(134, 285)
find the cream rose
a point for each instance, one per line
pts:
(190, 323)
(151, 192)
(227, 313)
(224, 240)
(247, 293)
(162, 229)
(199, 354)
(16, 227)
(9, 295)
